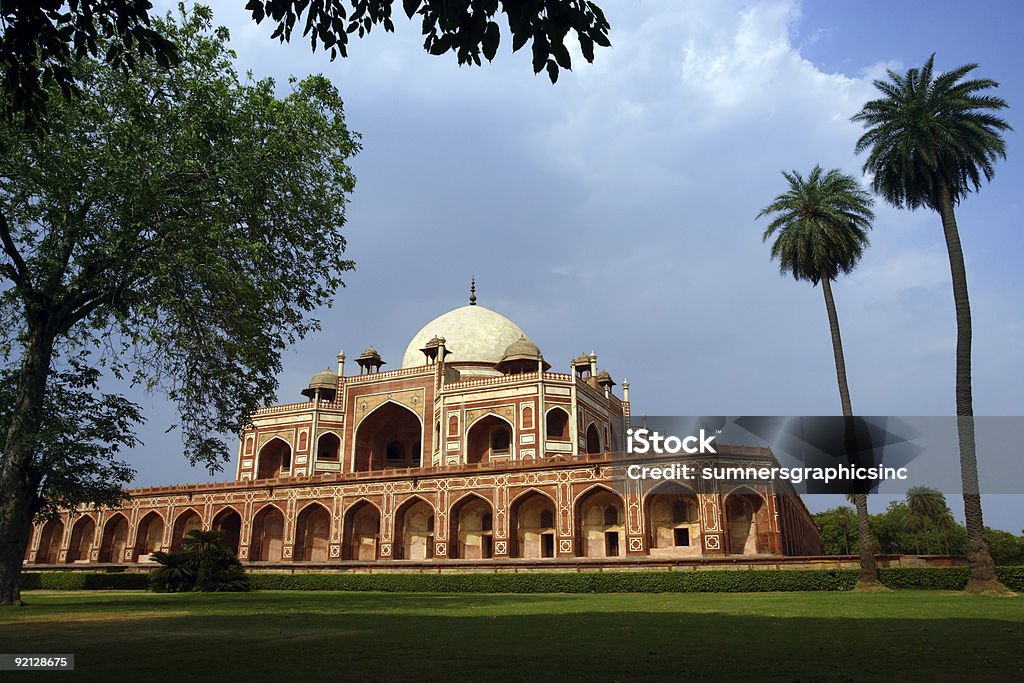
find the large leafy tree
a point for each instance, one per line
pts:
(173, 227)
(42, 39)
(820, 226)
(931, 139)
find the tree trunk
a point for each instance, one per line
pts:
(983, 569)
(866, 543)
(19, 479)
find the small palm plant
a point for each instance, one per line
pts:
(203, 564)
(820, 226)
(176, 573)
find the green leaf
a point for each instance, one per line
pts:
(492, 36)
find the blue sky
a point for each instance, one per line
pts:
(615, 211)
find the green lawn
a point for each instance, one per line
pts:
(308, 636)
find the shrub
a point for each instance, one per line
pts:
(204, 564)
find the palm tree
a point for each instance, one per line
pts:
(820, 226)
(927, 502)
(930, 506)
(931, 138)
(199, 542)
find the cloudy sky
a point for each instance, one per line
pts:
(615, 211)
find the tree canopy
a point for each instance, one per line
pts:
(42, 40)
(931, 133)
(819, 224)
(174, 227)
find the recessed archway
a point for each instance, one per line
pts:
(600, 523)
(82, 533)
(672, 512)
(50, 539)
(187, 521)
(267, 542)
(593, 439)
(532, 523)
(313, 534)
(747, 521)
(328, 447)
(115, 539)
(275, 459)
(471, 529)
(488, 437)
(229, 523)
(557, 424)
(150, 534)
(362, 532)
(414, 530)
(390, 437)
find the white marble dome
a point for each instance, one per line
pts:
(472, 334)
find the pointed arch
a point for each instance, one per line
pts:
(414, 529)
(267, 539)
(187, 520)
(149, 535)
(488, 436)
(556, 424)
(746, 519)
(471, 528)
(82, 533)
(361, 527)
(328, 446)
(50, 540)
(390, 436)
(593, 438)
(672, 520)
(600, 522)
(228, 521)
(533, 521)
(313, 533)
(274, 458)
(115, 539)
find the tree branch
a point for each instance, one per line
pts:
(17, 270)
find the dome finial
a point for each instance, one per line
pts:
(472, 292)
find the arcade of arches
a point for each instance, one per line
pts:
(532, 525)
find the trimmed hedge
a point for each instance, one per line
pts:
(587, 582)
(711, 581)
(77, 581)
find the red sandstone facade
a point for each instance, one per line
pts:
(473, 450)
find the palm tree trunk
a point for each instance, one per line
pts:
(983, 569)
(866, 545)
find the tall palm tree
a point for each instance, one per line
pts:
(931, 138)
(820, 226)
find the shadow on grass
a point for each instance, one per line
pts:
(349, 640)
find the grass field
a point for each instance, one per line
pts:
(307, 636)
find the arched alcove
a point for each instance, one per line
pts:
(361, 532)
(388, 438)
(488, 437)
(471, 529)
(115, 539)
(313, 534)
(532, 526)
(600, 530)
